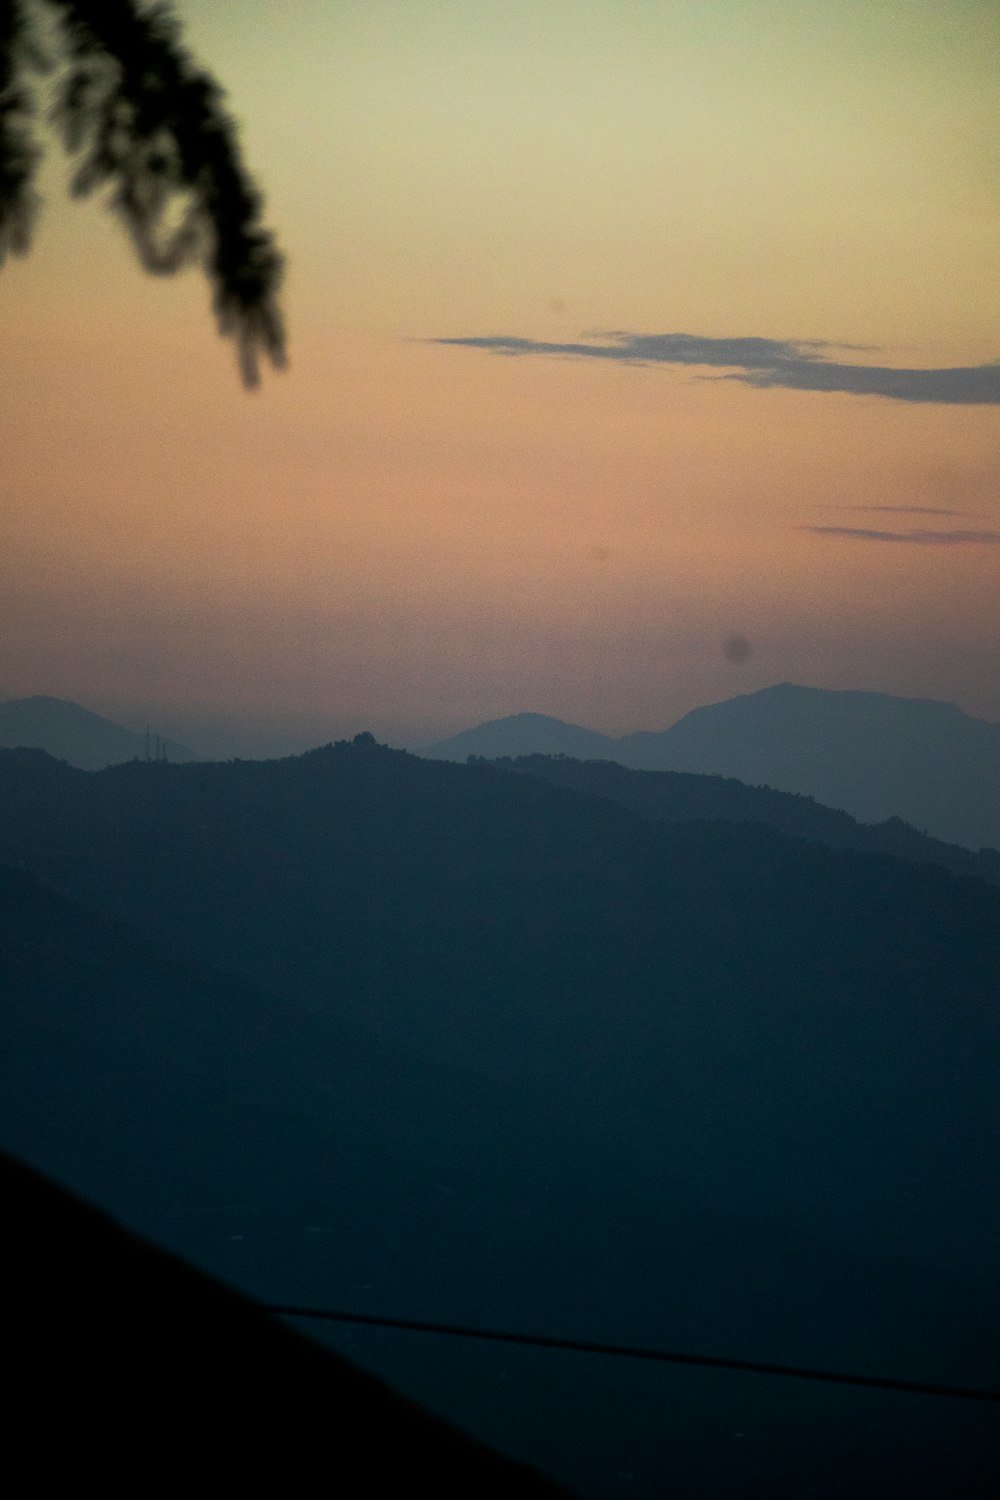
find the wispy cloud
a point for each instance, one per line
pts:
(791, 364)
(917, 538)
(904, 510)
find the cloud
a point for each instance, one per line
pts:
(975, 385)
(918, 538)
(905, 510)
(790, 364)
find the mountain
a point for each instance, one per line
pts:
(871, 754)
(874, 756)
(523, 734)
(680, 796)
(74, 734)
(716, 995)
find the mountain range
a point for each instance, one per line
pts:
(455, 1042)
(682, 797)
(870, 754)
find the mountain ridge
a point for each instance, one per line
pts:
(683, 796)
(872, 755)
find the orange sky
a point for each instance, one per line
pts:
(413, 537)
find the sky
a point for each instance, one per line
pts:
(642, 353)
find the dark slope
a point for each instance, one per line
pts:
(682, 797)
(874, 755)
(192, 1379)
(307, 1160)
(74, 734)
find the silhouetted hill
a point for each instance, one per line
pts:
(74, 734)
(874, 756)
(308, 1159)
(668, 978)
(523, 734)
(192, 1378)
(679, 797)
(497, 1050)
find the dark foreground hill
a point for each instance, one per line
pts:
(871, 754)
(135, 1367)
(497, 1051)
(74, 734)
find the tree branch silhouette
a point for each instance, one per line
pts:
(147, 125)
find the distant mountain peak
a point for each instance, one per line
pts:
(521, 734)
(791, 691)
(528, 718)
(45, 702)
(84, 739)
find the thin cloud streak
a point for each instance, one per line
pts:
(918, 538)
(904, 510)
(789, 364)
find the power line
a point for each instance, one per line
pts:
(631, 1351)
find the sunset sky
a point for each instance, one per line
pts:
(524, 456)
